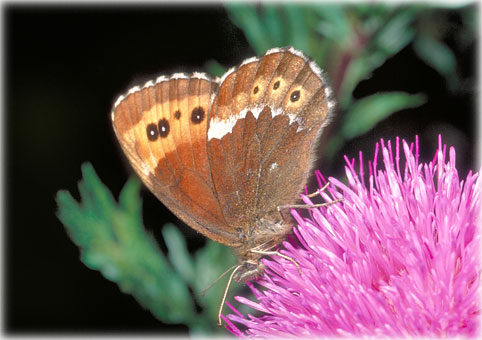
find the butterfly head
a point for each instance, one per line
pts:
(250, 269)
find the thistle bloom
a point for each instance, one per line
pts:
(399, 256)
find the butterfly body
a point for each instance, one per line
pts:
(225, 154)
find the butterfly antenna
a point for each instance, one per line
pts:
(216, 281)
(226, 293)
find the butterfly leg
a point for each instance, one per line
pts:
(262, 252)
(319, 191)
(309, 206)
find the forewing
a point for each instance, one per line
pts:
(162, 130)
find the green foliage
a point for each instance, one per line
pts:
(350, 41)
(357, 121)
(112, 240)
(436, 54)
(380, 105)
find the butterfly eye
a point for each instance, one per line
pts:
(163, 128)
(152, 132)
(295, 96)
(197, 115)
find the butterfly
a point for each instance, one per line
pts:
(226, 154)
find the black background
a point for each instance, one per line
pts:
(64, 68)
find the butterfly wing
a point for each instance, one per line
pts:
(262, 131)
(162, 130)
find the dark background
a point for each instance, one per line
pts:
(64, 68)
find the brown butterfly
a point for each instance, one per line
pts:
(226, 155)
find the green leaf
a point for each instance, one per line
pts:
(129, 197)
(274, 25)
(178, 253)
(210, 262)
(246, 17)
(298, 29)
(395, 34)
(333, 23)
(214, 68)
(389, 38)
(365, 113)
(112, 240)
(94, 192)
(437, 55)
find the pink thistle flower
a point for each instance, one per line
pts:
(399, 256)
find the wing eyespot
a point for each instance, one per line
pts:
(197, 115)
(295, 96)
(163, 128)
(152, 132)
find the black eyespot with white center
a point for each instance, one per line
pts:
(163, 127)
(152, 132)
(177, 114)
(256, 89)
(276, 85)
(295, 96)
(197, 115)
